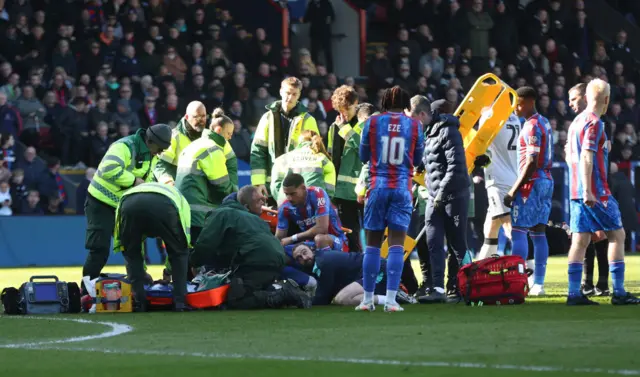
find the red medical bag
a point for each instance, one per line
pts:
(494, 281)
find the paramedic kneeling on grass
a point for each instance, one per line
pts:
(235, 236)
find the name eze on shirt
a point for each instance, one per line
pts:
(394, 127)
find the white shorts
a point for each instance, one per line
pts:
(495, 195)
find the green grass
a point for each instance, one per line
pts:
(542, 333)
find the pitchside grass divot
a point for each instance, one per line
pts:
(540, 338)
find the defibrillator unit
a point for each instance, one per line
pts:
(42, 295)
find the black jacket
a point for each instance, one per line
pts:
(444, 159)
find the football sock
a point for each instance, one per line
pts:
(370, 270)
(575, 277)
(382, 299)
(489, 248)
(603, 262)
(395, 263)
(589, 258)
(616, 268)
(541, 254)
(390, 298)
(520, 243)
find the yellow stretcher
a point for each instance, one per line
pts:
(488, 93)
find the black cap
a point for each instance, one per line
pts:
(160, 134)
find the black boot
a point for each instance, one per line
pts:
(295, 296)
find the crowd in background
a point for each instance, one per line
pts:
(77, 75)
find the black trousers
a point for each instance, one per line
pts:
(139, 218)
(448, 220)
(250, 287)
(350, 212)
(322, 44)
(100, 223)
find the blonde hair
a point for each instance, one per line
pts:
(317, 145)
(218, 119)
(597, 91)
(292, 82)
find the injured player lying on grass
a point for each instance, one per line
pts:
(339, 277)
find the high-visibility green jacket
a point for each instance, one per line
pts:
(269, 142)
(203, 177)
(229, 154)
(165, 170)
(126, 159)
(181, 204)
(350, 164)
(316, 169)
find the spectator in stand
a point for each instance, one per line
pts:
(5, 199)
(31, 206)
(320, 15)
(481, 24)
(148, 115)
(100, 142)
(81, 191)
(241, 141)
(7, 153)
(32, 112)
(51, 184)
(10, 120)
(32, 167)
(18, 190)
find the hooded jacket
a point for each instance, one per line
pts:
(444, 159)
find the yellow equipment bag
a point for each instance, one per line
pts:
(113, 294)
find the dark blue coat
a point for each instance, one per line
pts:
(444, 160)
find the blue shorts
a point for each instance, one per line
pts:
(338, 243)
(537, 206)
(381, 280)
(600, 217)
(388, 208)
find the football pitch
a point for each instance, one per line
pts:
(540, 338)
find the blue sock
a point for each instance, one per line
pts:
(616, 269)
(395, 262)
(575, 278)
(370, 268)
(540, 254)
(520, 243)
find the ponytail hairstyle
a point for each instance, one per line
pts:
(317, 145)
(218, 119)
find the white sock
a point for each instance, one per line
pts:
(391, 297)
(531, 264)
(486, 251)
(368, 297)
(382, 299)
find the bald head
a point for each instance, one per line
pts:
(251, 198)
(196, 116)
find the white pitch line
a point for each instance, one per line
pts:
(119, 329)
(116, 329)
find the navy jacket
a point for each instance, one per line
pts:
(335, 270)
(444, 160)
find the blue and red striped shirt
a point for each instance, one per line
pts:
(587, 132)
(317, 205)
(536, 139)
(392, 144)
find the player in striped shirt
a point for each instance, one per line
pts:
(593, 208)
(530, 196)
(392, 143)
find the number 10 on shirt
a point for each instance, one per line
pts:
(392, 150)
